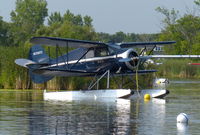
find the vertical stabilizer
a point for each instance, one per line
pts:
(38, 55)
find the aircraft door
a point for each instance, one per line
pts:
(88, 59)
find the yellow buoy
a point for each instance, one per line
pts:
(147, 97)
(158, 82)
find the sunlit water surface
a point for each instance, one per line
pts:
(26, 113)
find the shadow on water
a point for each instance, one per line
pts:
(25, 112)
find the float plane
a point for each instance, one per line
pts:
(89, 58)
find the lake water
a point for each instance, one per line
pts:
(26, 113)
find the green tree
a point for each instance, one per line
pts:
(118, 37)
(197, 2)
(87, 21)
(184, 32)
(182, 29)
(69, 25)
(170, 15)
(28, 16)
(55, 18)
(4, 32)
(74, 19)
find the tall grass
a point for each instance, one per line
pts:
(179, 68)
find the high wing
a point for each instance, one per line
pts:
(145, 44)
(64, 42)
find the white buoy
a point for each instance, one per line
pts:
(182, 127)
(182, 118)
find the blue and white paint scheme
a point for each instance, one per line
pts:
(90, 58)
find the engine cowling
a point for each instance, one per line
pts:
(133, 59)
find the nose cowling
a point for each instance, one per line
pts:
(134, 60)
(130, 58)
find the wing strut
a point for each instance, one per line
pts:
(152, 49)
(97, 81)
(49, 55)
(67, 53)
(64, 57)
(144, 49)
(57, 54)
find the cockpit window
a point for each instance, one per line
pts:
(90, 54)
(111, 50)
(100, 52)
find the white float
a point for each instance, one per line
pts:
(154, 93)
(87, 94)
(102, 94)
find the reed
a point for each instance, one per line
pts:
(178, 68)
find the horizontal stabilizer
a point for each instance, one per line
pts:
(24, 62)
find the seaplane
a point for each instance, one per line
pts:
(91, 58)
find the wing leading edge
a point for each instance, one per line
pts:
(145, 44)
(63, 42)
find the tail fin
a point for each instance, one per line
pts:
(38, 55)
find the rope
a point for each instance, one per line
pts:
(137, 82)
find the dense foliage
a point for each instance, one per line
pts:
(28, 20)
(185, 30)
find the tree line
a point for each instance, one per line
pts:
(28, 20)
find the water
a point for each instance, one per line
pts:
(26, 113)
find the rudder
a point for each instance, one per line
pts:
(38, 55)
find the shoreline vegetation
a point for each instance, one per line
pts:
(27, 20)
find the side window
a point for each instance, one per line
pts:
(100, 52)
(90, 54)
(111, 51)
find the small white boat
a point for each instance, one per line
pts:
(160, 82)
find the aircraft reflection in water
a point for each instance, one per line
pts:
(107, 117)
(85, 117)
